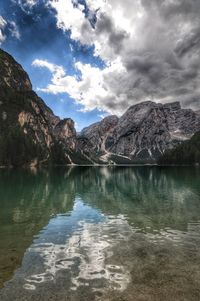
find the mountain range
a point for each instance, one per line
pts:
(30, 133)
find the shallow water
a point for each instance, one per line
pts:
(100, 233)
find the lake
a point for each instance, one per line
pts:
(100, 233)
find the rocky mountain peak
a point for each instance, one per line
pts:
(140, 105)
(65, 129)
(30, 132)
(143, 132)
(174, 106)
(12, 74)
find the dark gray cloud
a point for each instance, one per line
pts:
(115, 36)
(163, 59)
(190, 43)
(151, 50)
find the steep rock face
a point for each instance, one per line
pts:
(12, 74)
(31, 134)
(29, 131)
(65, 129)
(144, 132)
(25, 121)
(92, 139)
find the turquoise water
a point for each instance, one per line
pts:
(100, 233)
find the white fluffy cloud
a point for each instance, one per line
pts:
(90, 90)
(69, 17)
(11, 26)
(31, 3)
(2, 26)
(151, 50)
(57, 71)
(114, 22)
(14, 30)
(26, 3)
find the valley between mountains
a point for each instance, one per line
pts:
(30, 133)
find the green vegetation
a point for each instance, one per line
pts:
(16, 148)
(58, 154)
(186, 153)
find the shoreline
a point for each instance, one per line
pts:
(100, 165)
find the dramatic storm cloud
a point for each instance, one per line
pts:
(119, 52)
(150, 49)
(2, 27)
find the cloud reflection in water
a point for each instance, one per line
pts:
(85, 254)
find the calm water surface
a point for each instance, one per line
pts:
(100, 233)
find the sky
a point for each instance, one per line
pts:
(91, 58)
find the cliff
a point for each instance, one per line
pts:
(142, 134)
(30, 133)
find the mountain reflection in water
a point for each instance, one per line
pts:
(100, 233)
